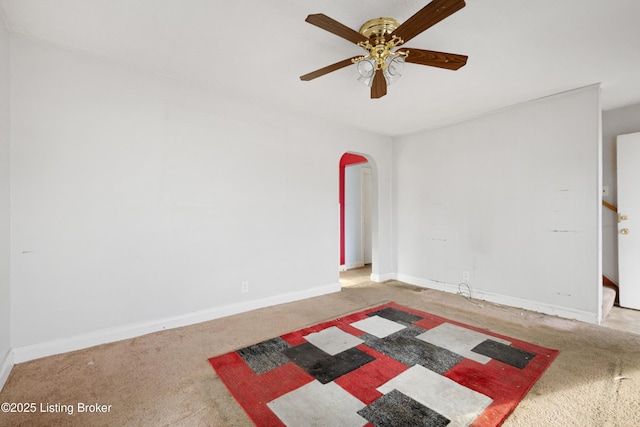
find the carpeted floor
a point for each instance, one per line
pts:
(165, 379)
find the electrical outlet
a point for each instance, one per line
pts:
(465, 275)
(245, 286)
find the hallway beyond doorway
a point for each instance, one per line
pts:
(355, 276)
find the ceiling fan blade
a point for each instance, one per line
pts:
(333, 26)
(329, 68)
(427, 17)
(379, 85)
(450, 61)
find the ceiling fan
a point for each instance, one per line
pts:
(382, 38)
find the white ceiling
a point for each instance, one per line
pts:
(257, 49)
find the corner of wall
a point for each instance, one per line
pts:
(6, 366)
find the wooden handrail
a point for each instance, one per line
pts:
(610, 206)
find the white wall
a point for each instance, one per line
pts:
(513, 198)
(5, 305)
(614, 122)
(142, 202)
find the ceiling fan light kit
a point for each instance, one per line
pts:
(382, 38)
(381, 55)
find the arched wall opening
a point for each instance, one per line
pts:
(358, 215)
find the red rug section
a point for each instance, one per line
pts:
(503, 383)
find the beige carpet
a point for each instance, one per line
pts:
(164, 379)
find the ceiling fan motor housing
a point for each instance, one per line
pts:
(378, 27)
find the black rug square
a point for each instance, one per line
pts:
(504, 353)
(405, 348)
(395, 409)
(265, 356)
(396, 315)
(323, 366)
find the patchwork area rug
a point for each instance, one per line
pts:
(385, 366)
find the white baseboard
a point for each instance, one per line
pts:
(383, 277)
(539, 307)
(5, 368)
(35, 351)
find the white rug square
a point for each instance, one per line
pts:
(378, 326)
(333, 340)
(458, 340)
(320, 405)
(458, 403)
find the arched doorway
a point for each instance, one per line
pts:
(356, 216)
